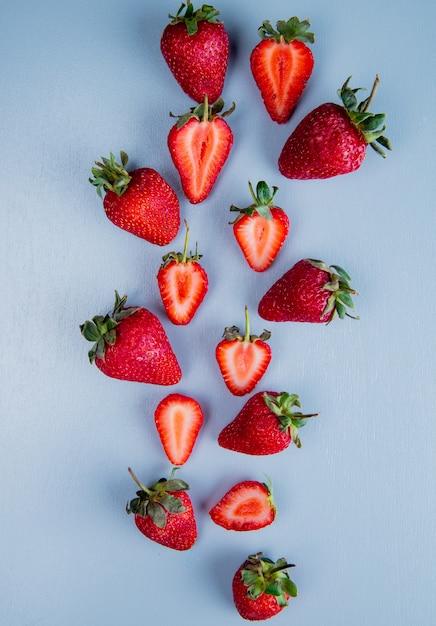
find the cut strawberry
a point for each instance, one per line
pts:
(183, 284)
(178, 420)
(199, 145)
(248, 505)
(261, 229)
(282, 64)
(243, 359)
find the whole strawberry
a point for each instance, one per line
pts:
(140, 202)
(131, 344)
(281, 65)
(261, 229)
(199, 145)
(183, 284)
(164, 513)
(310, 291)
(332, 139)
(196, 47)
(267, 424)
(243, 358)
(262, 588)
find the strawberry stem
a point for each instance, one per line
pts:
(247, 325)
(185, 247)
(206, 108)
(137, 481)
(370, 98)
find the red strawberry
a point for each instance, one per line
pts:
(131, 344)
(199, 145)
(249, 505)
(164, 512)
(261, 228)
(183, 284)
(262, 588)
(178, 421)
(267, 424)
(332, 139)
(282, 64)
(196, 47)
(140, 202)
(243, 359)
(309, 292)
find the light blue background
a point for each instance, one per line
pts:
(356, 503)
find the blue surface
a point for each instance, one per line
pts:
(356, 503)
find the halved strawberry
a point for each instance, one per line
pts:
(248, 505)
(261, 229)
(199, 145)
(178, 420)
(243, 359)
(183, 283)
(282, 64)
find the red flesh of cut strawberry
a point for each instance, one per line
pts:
(246, 506)
(178, 420)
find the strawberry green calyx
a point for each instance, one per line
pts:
(340, 289)
(182, 257)
(368, 123)
(269, 487)
(290, 30)
(204, 112)
(262, 575)
(111, 176)
(282, 406)
(263, 201)
(157, 501)
(102, 329)
(233, 332)
(191, 17)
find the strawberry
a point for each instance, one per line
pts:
(140, 202)
(308, 292)
(131, 344)
(183, 284)
(164, 513)
(196, 48)
(261, 229)
(199, 144)
(266, 424)
(249, 505)
(282, 64)
(243, 359)
(178, 420)
(262, 588)
(332, 139)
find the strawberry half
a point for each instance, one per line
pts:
(332, 139)
(248, 505)
(140, 202)
(282, 64)
(266, 424)
(311, 292)
(183, 283)
(261, 229)
(131, 344)
(164, 513)
(199, 144)
(262, 588)
(195, 46)
(243, 359)
(178, 420)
